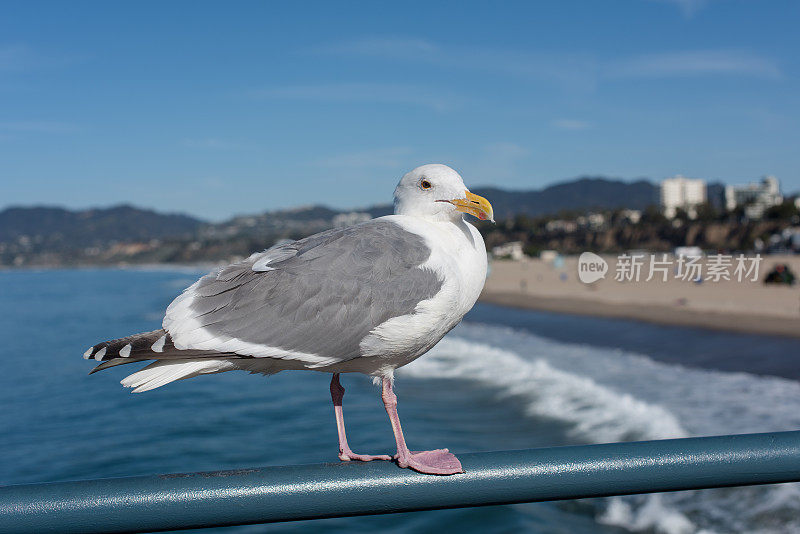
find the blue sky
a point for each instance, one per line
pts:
(222, 108)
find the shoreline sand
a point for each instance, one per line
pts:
(744, 307)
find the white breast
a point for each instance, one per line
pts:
(458, 257)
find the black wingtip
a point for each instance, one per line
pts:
(114, 362)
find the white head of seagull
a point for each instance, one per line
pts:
(437, 193)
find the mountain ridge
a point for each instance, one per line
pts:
(62, 227)
(53, 225)
(48, 235)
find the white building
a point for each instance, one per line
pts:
(684, 193)
(592, 220)
(755, 197)
(633, 216)
(548, 256)
(512, 250)
(342, 220)
(560, 225)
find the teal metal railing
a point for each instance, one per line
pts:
(270, 494)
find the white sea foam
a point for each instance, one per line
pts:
(594, 412)
(651, 515)
(612, 395)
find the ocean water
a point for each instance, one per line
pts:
(503, 379)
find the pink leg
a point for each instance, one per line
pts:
(345, 454)
(437, 462)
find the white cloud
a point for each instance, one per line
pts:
(213, 143)
(687, 7)
(17, 57)
(368, 159)
(495, 163)
(14, 57)
(694, 63)
(561, 68)
(214, 182)
(506, 151)
(401, 47)
(366, 92)
(36, 126)
(575, 70)
(571, 124)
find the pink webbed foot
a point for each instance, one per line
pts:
(436, 462)
(348, 456)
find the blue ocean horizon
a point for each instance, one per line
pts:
(503, 379)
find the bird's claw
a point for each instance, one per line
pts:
(436, 462)
(349, 456)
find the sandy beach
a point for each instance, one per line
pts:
(740, 306)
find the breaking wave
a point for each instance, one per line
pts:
(605, 395)
(594, 412)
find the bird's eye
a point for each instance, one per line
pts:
(425, 184)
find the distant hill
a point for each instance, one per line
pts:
(59, 228)
(579, 194)
(51, 227)
(57, 236)
(292, 222)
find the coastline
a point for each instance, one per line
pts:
(728, 306)
(663, 315)
(534, 284)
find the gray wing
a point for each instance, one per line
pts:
(313, 300)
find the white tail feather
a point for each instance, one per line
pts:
(163, 372)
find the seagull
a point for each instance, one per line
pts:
(368, 298)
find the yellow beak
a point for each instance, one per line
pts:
(474, 205)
